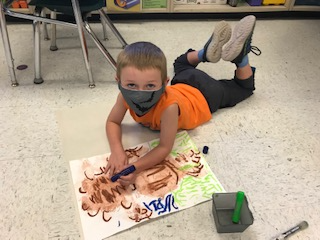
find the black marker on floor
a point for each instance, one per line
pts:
(301, 226)
(124, 172)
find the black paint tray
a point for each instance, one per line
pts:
(223, 206)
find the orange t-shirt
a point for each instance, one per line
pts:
(193, 108)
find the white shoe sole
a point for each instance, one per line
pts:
(220, 36)
(239, 35)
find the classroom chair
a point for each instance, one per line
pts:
(80, 9)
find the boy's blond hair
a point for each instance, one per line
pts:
(142, 55)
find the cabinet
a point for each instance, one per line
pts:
(307, 7)
(171, 6)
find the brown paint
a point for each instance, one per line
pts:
(102, 195)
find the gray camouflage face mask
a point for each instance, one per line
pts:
(141, 101)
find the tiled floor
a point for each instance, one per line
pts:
(267, 146)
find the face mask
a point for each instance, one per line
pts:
(141, 101)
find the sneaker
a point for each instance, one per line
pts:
(213, 48)
(240, 43)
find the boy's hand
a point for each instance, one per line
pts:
(129, 179)
(116, 163)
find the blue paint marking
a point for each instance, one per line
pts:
(161, 205)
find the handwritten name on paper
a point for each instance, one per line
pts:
(159, 206)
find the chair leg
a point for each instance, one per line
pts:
(103, 23)
(37, 48)
(80, 25)
(100, 45)
(108, 21)
(7, 48)
(53, 45)
(44, 26)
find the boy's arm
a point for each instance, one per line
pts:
(169, 128)
(118, 158)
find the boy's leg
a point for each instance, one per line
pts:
(236, 51)
(186, 72)
(211, 51)
(237, 48)
(223, 93)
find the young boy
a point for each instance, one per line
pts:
(190, 100)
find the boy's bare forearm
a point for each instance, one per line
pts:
(169, 126)
(152, 158)
(114, 135)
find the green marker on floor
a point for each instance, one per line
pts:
(237, 209)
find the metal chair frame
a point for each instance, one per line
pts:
(81, 24)
(53, 38)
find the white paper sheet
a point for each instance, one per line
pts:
(182, 180)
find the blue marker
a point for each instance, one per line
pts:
(124, 172)
(205, 149)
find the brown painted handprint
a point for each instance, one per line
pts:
(164, 177)
(102, 195)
